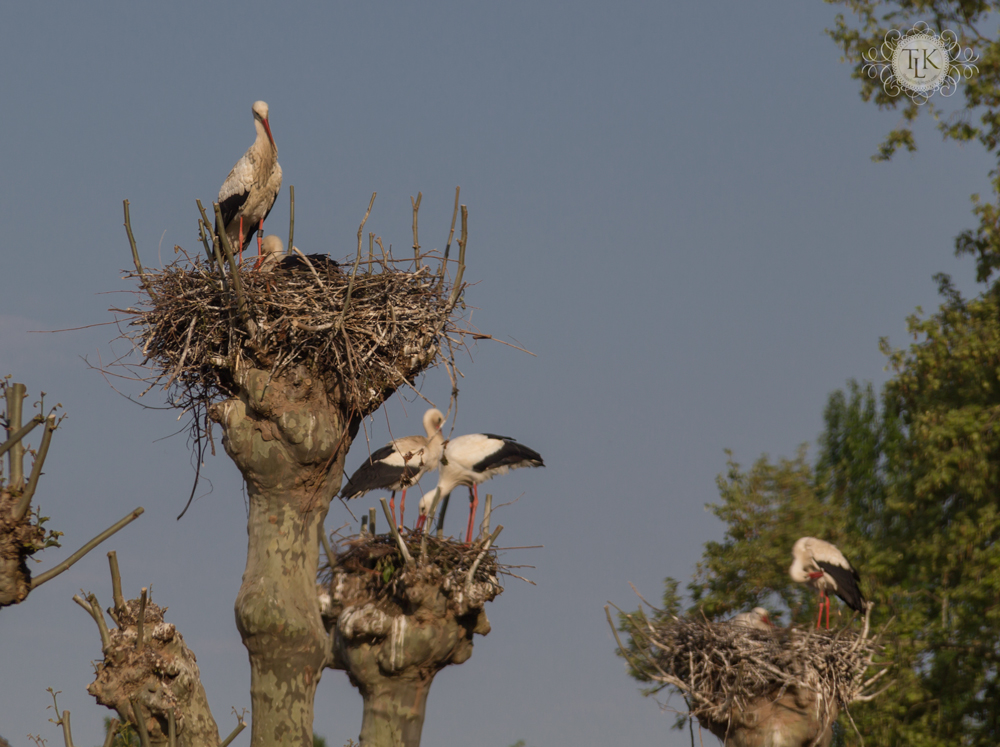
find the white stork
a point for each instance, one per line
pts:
(473, 459)
(272, 251)
(823, 567)
(400, 464)
(249, 192)
(755, 618)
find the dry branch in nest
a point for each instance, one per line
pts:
(730, 675)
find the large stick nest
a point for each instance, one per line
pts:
(724, 670)
(379, 560)
(365, 333)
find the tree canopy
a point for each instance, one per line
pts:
(905, 481)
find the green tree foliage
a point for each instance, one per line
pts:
(906, 485)
(974, 117)
(906, 482)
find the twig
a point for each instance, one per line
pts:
(112, 729)
(116, 582)
(187, 347)
(21, 433)
(451, 233)
(67, 732)
(291, 217)
(171, 728)
(456, 288)
(415, 204)
(354, 272)
(135, 254)
(202, 228)
(430, 523)
(141, 621)
(234, 273)
(95, 613)
(15, 403)
(487, 510)
(331, 557)
(66, 564)
(486, 546)
(217, 252)
(140, 723)
(309, 264)
(407, 558)
(36, 470)
(371, 521)
(233, 734)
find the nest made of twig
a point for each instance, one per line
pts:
(365, 332)
(437, 560)
(723, 669)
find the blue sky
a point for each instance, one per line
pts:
(674, 208)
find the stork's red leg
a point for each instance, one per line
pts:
(473, 505)
(402, 499)
(392, 506)
(819, 614)
(828, 613)
(260, 242)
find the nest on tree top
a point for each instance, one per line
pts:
(363, 332)
(379, 560)
(726, 671)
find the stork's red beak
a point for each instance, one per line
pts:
(267, 128)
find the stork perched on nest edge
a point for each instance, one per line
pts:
(249, 192)
(823, 567)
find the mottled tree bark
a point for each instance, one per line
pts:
(392, 645)
(288, 435)
(152, 679)
(796, 719)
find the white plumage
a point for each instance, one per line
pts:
(823, 567)
(473, 459)
(249, 192)
(272, 250)
(400, 464)
(755, 618)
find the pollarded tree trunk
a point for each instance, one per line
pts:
(395, 626)
(795, 719)
(288, 435)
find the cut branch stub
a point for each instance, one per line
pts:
(395, 625)
(153, 680)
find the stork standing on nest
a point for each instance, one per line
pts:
(400, 464)
(473, 459)
(823, 567)
(249, 192)
(755, 618)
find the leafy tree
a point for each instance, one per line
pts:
(975, 119)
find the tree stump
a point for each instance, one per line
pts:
(149, 680)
